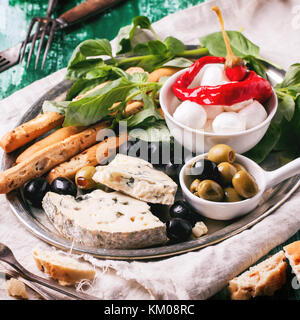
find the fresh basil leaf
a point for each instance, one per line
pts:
(81, 69)
(149, 115)
(255, 65)
(290, 136)
(292, 76)
(142, 49)
(142, 22)
(266, 144)
(92, 109)
(126, 34)
(178, 63)
(55, 106)
(82, 86)
(123, 40)
(157, 47)
(91, 48)
(155, 132)
(138, 77)
(240, 45)
(106, 88)
(142, 118)
(174, 45)
(286, 106)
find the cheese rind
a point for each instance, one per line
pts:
(109, 220)
(137, 178)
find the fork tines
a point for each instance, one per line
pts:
(44, 26)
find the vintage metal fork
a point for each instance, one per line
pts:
(44, 25)
(8, 257)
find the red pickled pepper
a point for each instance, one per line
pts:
(251, 87)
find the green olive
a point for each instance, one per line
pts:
(210, 190)
(194, 185)
(84, 177)
(239, 167)
(221, 153)
(244, 184)
(230, 195)
(227, 171)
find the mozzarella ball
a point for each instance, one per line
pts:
(238, 106)
(228, 122)
(190, 114)
(212, 111)
(253, 114)
(208, 126)
(211, 74)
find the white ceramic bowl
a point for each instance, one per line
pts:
(199, 141)
(231, 210)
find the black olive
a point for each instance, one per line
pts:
(181, 209)
(63, 186)
(172, 170)
(205, 169)
(35, 190)
(178, 229)
(159, 210)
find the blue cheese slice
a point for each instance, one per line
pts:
(102, 219)
(137, 178)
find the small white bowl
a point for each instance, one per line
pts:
(231, 210)
(200, 141)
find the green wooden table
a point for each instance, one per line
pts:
(15, 16)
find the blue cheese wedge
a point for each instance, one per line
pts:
(102, 219)
(137, 178)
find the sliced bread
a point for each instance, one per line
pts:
(261, 280)
(65, 269)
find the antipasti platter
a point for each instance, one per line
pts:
(127, 208)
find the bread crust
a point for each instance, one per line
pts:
(89, 157)
(30, 130)
(55, 137)
(292, 252)
(261, 280)
(44, 160)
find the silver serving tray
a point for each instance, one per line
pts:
(36, 221)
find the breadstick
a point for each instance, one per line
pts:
(155, 75)
(45, 159)
(30, 130)
(90, 157)
(56, 136)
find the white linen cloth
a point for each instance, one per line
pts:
(272, 24)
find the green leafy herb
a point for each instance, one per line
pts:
(55, 106)
(174, 45)
(285, 126)
(241, 46)
(178, 63)
(266, 145)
